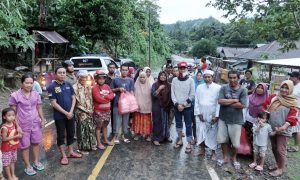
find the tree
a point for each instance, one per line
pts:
(203, 48)
(274, 19)
(12, 26)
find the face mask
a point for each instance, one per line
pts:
(184, 74)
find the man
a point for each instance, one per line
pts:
(295, 77)
(206, 111)
(119, 85)
(169, 68)
(232, 98)
(109, 78)
(183, 92)
(62, 99)
(70, 77)
(248, 82)
(175, 73)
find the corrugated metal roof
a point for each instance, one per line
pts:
(294, 62)
(53, 37)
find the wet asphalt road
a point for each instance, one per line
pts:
(136, 160)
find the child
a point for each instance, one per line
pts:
(261, 131)
(10, 142)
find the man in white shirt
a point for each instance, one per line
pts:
(295, 77)
(206, 112)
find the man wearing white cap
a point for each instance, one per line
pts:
(206, 111)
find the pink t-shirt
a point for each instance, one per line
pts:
(27, 112)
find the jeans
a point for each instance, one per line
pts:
(187, 114)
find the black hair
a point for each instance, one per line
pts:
(234, 72)
(124, 65)
(25, 76)
(57, 68)
(263, 115)
(110, 64)
(4, 112)
(249, 71)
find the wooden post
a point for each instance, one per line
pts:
(33, 59)
(270, 72)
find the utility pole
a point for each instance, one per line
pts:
(43, 15)
(149, 32)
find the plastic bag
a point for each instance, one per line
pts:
(127, 103)
(245, 145)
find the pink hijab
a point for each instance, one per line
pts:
(142, 94)
(256, 101)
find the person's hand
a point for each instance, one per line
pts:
(69, 115)
(19, 130)
(201, 118)
(122, 89)
(279, 130)
(161, 87)
(180, 108)
(236, 100)
(261, 124)
(18, 135)
(43, 123)
(214, 120)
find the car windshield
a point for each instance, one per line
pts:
(87, 63)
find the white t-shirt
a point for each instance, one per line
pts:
(261, 138)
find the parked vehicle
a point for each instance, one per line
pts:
(129, 62)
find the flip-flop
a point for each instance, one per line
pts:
(75, 155)
(275, 174)
(188, 150)
(178, 145)
(259, 168)
(156, 143)
(293, 149)
(126, 140)
(64, 161)
(252, 165)
(221, 162)
(236, 165)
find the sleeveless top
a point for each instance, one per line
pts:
(12, 144)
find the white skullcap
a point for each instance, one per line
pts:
(81, 73)
(210, 72)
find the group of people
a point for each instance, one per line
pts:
(213, 114)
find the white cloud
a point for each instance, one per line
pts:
(182, 10)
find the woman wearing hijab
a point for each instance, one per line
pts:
(256, 101)
(84, 113)
(283, 108)
(147, 70)
(161, 105)
(142, 123)
(198, 79)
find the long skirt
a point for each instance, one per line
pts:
(142, 123)
(161, 131)
(86, 138)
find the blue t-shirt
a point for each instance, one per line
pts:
(118, 82)
(62, 93)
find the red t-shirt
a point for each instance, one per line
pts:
(12, 144)
(102, 95)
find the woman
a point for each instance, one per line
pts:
(147, 70)
(283, 109)
(142, 123)
(84, 113)
(256, 101)
(102, 95)
(161, 104)
(198, 80)
(28, 106)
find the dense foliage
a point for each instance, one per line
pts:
(116, 27)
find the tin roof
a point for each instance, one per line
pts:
(53, 37)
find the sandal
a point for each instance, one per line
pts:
(236, 165)
(126, 140)
(221, 162)
(188, 150)
(156, 143)
(148, 139)
(293, 149)
(178, 144)
(193, 142)
(117, 141)
(101, 147)
(252, 165)
(136, 138)
(38, 166)
(64, 161)
(75, 155)
(108, 143)
(30, 171)
(259, 168)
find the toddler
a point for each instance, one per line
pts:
(10, 142)
(261, 132)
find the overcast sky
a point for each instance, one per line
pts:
(175, 10)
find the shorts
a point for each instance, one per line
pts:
(102, 119)
(261, 150)
(9, 157)
(228, 132)
(33, 136)
(296, 129)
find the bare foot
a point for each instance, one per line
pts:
(202, 152)
(213, 157)
(15, 177)
(277, 172)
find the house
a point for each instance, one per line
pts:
(231, 53)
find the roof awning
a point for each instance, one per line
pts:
(51, 36)
(294, 62)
